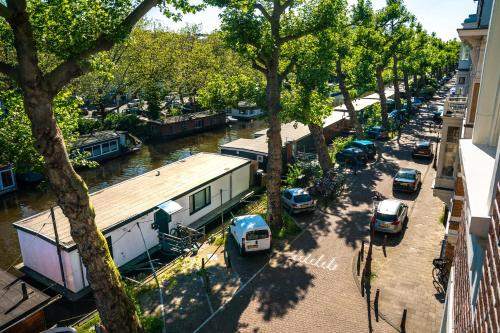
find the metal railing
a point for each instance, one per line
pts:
(455, 106)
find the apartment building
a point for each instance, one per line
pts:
(473, 227)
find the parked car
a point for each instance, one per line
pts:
(437, 116)
(391, 104)
(367, 146)
(407, 180)
(422, 149)
(390, 216)
(251, 233)
(351, 155)
(416, 101)
(377, 132)
(297, 200)
(401, 115)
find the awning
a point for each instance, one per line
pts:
(170, 207)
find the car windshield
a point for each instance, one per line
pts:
(406, 175)
(385, 217)
(302, 198)
(423, 145)
(257, 234)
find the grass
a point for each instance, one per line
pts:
(88, 325)
(442, 216)
(289, 228)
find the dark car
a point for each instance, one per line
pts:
(422, 149)
(437, 116)
(351, 155)
(399, 115)
(407, 180)
(377, 132)
(365, 145)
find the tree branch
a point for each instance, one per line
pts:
(263, 10)
(288, 69)
(77, 64)
(9, 70)
(258, 67)
(285, 5)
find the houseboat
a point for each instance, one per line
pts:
(104, 145)
(244, 111)
(191, 192)
(186, 124)
(22, 305)
(7, 179)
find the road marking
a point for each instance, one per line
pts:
(319, 262)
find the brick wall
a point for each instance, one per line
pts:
(487, 316)
(461, 301)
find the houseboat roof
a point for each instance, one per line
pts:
(257, 145)
(245, 104)
(364, 102)
(96, 137)
(290, 132)
(13, 306)
(118, 204)
(188, 116)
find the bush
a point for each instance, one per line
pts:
(126, 122)
(289, 228)
(294, 175)
(152, 324)
(372, 115)
(427, 91)
(89, 125)
(338, 144)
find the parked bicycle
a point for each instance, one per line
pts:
(440, 274)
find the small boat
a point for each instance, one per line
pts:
(231, 119)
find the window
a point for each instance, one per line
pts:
(450, 155)
(6, 179)
(96, 150)
(288, 195)
(461, 80)
(198, 123)
(243, 112)
(113, 146)
(260, 158)
(110, 245)
(257, 234)
(199, 200)
(105, 148)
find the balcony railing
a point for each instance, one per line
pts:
(455, 106)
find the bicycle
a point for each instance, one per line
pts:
(440, 274)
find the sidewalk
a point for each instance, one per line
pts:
(404, 275)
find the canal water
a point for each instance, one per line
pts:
(28, 201)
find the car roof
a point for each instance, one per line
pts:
(407, 170)
(423, 143)
(353, 149)
(389, 206)
(247, 222)
(377, 128)
(296, 191)
(363, 142)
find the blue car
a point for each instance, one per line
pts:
(367, 146)
(377, 132)
(351, 155)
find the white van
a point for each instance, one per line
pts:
(251, 233)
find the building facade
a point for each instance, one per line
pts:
(473, 230)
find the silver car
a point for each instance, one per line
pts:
(390, 216)
(297, 200)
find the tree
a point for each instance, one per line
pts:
(306, 99)
(259, 30)
(69, 33)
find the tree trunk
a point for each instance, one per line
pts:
(415, 82)
(321, 148)
(381, 93)
(397, 98)
(115, 308)
(347, 100)
(407, 89)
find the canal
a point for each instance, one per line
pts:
(29, 201)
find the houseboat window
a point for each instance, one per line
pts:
(6, 177)
(113, 146)
(199, 200)
(96, 150)
(260, 158)
(105, 148)
(198, 124)
(242, 111)
(110, 246)
(251, 111)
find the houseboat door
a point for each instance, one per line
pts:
(162, 220)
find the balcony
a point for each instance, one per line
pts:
(464, 65)
(455, 107)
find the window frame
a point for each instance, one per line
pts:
(11, 176)
(208, 200)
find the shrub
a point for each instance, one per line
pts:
(294, 174)
(89, 125)
(338, 144)
(289, 228)
(152, 324)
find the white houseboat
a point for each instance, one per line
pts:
(104, 145)
(191, 192)
(7, 179)
(245, 111)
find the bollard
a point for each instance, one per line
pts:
(228, 262)
(363, 284)
(202, 263)
(362, 249)
(384, 244)
(403, 322)
(358, 265)
(375, 305)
